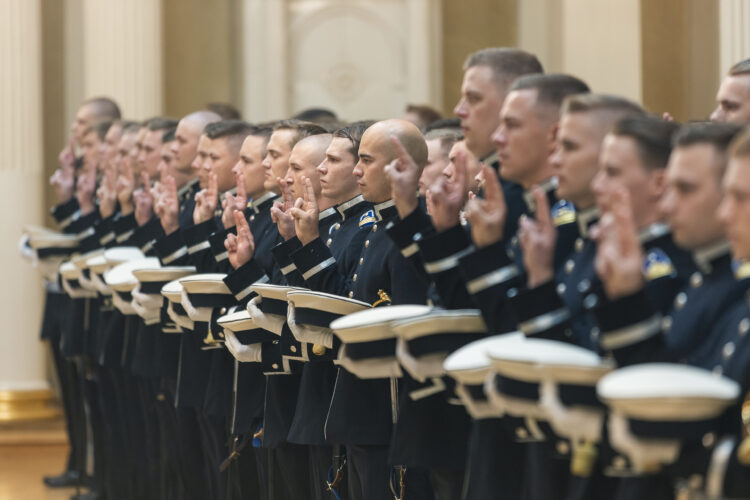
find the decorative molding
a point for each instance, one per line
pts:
(734, 33)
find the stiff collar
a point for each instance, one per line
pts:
(707, 257)
(191, 187)
(262, 202)
(324, 214)
(348, 207)
(653, 231)
(547, 186)
(586, 219)
(385, 210)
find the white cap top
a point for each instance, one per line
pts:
(117, 255)
(172, 291)
(682, 392)
(168, 273)
(472, 362)
(237, 321)
(121, 277)
(327, 302)
(210, 283)
(441, 321)
(277, 292)
(374, 323)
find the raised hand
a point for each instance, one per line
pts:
(168, 206)
(619, 255)
(63, 180)
(281, 212)
(305, 213)
(538, 237)
(206, 201)
(85, 189)
(403, 173)
(125, 189)
(487, 216)
(240, 248)
(231, 203)
(144, 201)
(107, 193)
(447, 198)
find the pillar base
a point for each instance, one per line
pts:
(20, 406)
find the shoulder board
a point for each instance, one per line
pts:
(563, 212)
(368, 219)
(657, 265)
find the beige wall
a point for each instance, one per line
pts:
(200, 53)
(470, 25)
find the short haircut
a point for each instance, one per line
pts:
(301, 129)
(100, 128)
(130, 126)
(160, 123)
(234, 131)
(552, 89)
(321, 116)
(354, 132)
(426, 114)
(740, 68)
(225, 110)
(453, 123)
(585, 103)
(447, 137)
(168, 135)
(653, 137)
(719, 135)
(506, 63)
(105, 108)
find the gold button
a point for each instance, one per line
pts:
(744, 326)
(293, 348)
(569, 266)
(275, 366)
(696, 280)
(374, 227)
(354, 278)
(328, 243)
(709, 439)
(521, 433)
(563, 448)
(728, 350)
(561, 288)
(223, 310)
(579, 244)
(680, 300)
(336, 226)
(361, 260)
(318, 349)
(367, 243)
(351, 295)
(619, 462)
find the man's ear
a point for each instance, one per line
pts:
(657, 183)
(552, 138)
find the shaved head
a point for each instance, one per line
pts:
(304, 159)
(198, 120)
(185, 146)
(406, 132)
(376, 151)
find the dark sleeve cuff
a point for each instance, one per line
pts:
(403, 232)
(104, 231)
(488, 267)
(282, 254)
(540, 312)
(124, 227)
(84, 225)
(63, 213)
(145, 236)
(627, 322)
(196, 236)
(216, 240)
(312, 258)
(171, 249)
(442, 251)
(240, 280)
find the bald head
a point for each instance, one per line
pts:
(304, 159)
(376, 150)
(185, 146)
(406, 132)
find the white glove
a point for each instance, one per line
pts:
(251, 353)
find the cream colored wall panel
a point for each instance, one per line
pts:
(122, 54)
(361, 58)
(734, 29)
(21, 355)
(602, 44)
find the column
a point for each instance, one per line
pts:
(24, 391)
(122, 54)
(734, 41)
(265, 60)
(424, 54)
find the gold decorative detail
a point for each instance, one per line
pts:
(584, 457)
(384, 299)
